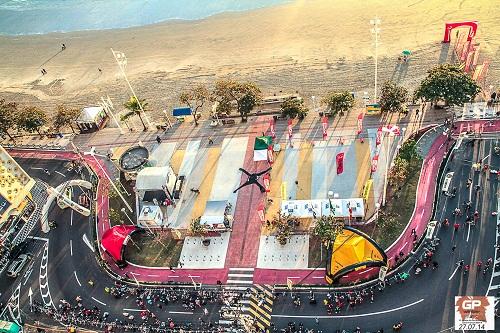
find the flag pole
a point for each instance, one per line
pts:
(130, 86)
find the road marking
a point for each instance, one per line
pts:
(452, 275)
(62, 174)
(71, 247)
(468, 233)
(98, 301)
(173, 276)
(76, 277)
(181, 312)
(135, 310)
(38, 238)
(87, 242)
(153, 275)
(354, 316)
(71, 218)
(402, 247)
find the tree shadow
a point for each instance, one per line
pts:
(443, 55)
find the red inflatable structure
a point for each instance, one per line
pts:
(450, 26)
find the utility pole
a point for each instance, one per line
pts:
(121, 60)
(375, 30)
(107, 105)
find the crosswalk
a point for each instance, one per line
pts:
(256, 306)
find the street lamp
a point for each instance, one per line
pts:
(375, 30)
(123, 187)
(92, 153)
(123, 210)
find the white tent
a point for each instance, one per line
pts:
(153, 178)
(320, 207)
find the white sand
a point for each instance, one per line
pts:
(310, 46)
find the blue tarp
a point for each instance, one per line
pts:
(183, 111)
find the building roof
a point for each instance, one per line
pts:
(89, 114)
(152, 178)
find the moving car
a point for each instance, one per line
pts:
(17, 265)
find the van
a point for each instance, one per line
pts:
(447, 182)
(17, 265)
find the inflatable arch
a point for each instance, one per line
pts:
(452, 25)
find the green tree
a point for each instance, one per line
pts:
(196, 228)
(65, 117)
(393, 97)
(115, 216)
(31, 119)
(134, 107)
(195, 98)
(409, 151)
(448, 83)
(8, 117)
(228, 93)
(327, 228)
(293, 107)
(399, 172)
(339, 102)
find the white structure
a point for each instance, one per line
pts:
(216, 216)
(91, 119)
(317, 208)
(154, 187)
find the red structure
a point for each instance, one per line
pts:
(450, 26)
(114, 241)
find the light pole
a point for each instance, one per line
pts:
(124, 211)
(314, 102)
(375, 30)
(121, 60)
(123, 187)
(107, 105)
(92, 153)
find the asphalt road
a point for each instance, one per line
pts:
(424, 302)
(63, 272)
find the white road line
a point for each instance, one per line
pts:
(153, 275)
(98, 301)
(173, 276)
(354, 316)
(76, 277)
(71, 218)
(38, 238)
(452, 275)
(180, 312)
(135, 310)
(87, 242)
(62, 174)
(402, 247)
(71, 247)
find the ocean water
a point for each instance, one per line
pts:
(24, 17)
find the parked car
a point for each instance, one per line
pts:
(17, 265)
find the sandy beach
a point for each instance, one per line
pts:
(309, 46)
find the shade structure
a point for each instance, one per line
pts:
(260, 148)
(114, 240)
(352, 250)
(406, 52)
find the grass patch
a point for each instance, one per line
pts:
(400, 203)
(146, 250)
(317, 252)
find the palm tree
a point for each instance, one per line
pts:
(134, 106)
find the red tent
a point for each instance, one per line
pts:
(114, 240)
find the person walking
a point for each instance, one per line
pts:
(316, 320)
(453, 248)
(158, 139)
(456, 226)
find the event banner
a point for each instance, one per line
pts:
(340, 163)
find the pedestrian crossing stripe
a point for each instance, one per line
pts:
(259, 317)
(265, 290)
(264, 311)
(255, 301)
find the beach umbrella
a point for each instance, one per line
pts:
(406, 52)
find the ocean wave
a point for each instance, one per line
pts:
(25, 17)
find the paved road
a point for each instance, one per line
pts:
(425, 302)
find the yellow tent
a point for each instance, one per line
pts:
(352, 250)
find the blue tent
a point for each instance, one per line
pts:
(182, 111)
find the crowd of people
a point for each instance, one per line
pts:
(150, 303)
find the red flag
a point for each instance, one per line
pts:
(267, 182)
(273, 130)
(360, 122)
(374, 163)
(260, 211)
(379, 136)
(290, 131)
(391, 129)
(324, 125)
(340, 163)
(270, 157)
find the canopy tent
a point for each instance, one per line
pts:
(214, 214)
(152, 178)
(352, 207)
(352, 250)
(260, 148)
(91, 118)
(114, 240)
